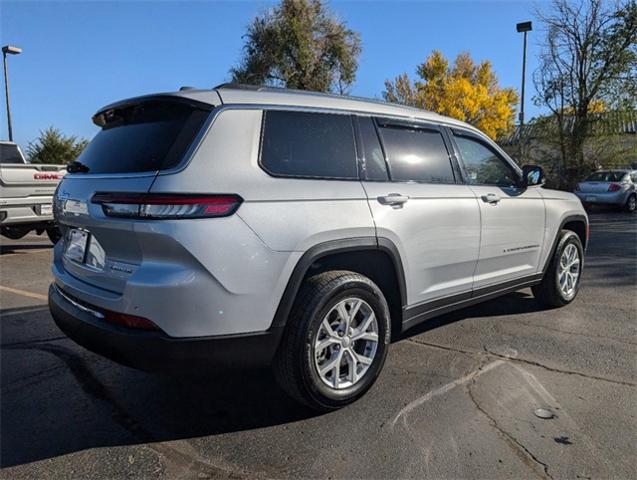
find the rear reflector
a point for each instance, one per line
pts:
(166, 206)
(129, 321)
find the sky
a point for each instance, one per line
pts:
(78, 56)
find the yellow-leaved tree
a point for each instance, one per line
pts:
(465, 90)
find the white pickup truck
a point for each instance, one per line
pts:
(26, 194)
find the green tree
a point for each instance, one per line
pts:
(589, 58)
(52, 146)
(465, 90)
(299, 44)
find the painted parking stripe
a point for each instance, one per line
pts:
(24, 293)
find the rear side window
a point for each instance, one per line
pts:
(302, 144)
(417, 155)
(606, 176)
(9, 154)
(144, 137)
(375, 167)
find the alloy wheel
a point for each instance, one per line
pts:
(346, 343)
(569, 271)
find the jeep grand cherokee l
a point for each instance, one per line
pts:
(261, 226)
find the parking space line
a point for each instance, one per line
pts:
(444, 389)
(24, 293)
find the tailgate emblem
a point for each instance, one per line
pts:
(118, 267)
(76, 207)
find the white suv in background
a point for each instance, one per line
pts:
(254, 225)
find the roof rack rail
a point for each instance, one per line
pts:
(238, 86)
(268, 88)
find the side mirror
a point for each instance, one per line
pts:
(532, 175)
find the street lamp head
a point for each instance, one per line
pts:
(524, 27)
(11, 50)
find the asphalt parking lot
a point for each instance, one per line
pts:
(456, 399)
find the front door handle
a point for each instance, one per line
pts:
(395, 200)
(490, 198)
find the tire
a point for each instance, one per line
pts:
(631, 204)
(550, 293)
(14, 233)
(298, 359)
(54, 234)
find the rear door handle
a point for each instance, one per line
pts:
(490, 198)
(395, 200)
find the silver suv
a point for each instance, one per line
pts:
(256, 226)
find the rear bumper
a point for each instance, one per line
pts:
(604, 198)
(24, 215)
(156, 351)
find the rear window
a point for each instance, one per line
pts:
(417, 155)
(10, 154)
(606, 177)
(145, 137)
(302, 144)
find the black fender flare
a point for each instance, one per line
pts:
(331, 247)
(568, 219)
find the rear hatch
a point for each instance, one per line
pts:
(600, 182)
(137, 140)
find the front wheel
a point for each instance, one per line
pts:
(561, 280)
(335, 342)
(54, 234)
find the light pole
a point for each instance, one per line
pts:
(8, 50)
(523, 27)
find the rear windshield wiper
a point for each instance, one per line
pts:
(76, 167)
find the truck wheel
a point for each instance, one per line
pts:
(14, 233)
(54, 234)
(631, 204)
(335, 341)
(561, 280)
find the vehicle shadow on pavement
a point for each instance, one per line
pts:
(14, 248)
(511, 304)
(58, 398)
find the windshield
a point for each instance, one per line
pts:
(9, 153)
(606, 177)
(145, 137)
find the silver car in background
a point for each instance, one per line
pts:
(609, 187)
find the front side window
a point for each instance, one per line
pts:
(304, 144)
(483, 165)
(417, 155)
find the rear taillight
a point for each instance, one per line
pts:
(166, 206)
(614, 187)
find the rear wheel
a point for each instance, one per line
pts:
(631, 204)
(561, 280)
(335, 342)
(14, 233)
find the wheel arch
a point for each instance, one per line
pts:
(376, 258)
(574, 223)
